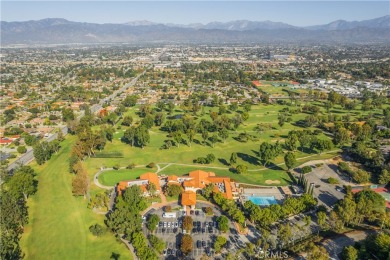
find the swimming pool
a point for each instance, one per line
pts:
(263, 200)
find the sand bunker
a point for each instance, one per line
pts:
(272, 182)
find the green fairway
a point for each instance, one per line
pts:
(59, 222)
(111, 178)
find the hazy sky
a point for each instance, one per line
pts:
(298, 13)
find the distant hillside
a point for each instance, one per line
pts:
(381, 22)
(61, 31)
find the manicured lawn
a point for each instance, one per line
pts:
(59, 222)
(111, 178)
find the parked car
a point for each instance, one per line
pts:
(198, 244)
(203, 243)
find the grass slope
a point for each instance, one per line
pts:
(111, 178)
(59, 222)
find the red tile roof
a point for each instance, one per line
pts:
(188, 198)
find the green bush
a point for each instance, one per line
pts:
(333, 181)
(22, 149)
(306, 169)
(130, 166)
(97, 230)
(151, 165)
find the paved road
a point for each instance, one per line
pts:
(29, 155)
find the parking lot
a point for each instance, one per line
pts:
(203, 233)
(327, 194)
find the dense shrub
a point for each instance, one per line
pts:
(151, 165)
(333, 180)
(306, 169)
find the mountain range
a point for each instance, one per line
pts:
(62, 31)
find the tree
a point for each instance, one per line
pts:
(284, 233)
(368, 205)
(268, 152)
(127, 121)
(323, 145)
(13, 217)
(341, 137)
(148, 121)
(178, 137)
(213, 139)
(130, 101)
(187, 223)
(233, 159)
(97, 230)
(129, 135)
(151, 188)
(190, 133)
(171, 107)
(157, 243)
(219, 243)
(205, 135)
(281, 119)
(290, 160)
(349, 253)
(241, 168)
(321, 216)
(186, 244)
(173, 190)
(80, 183)
(291, 142)
(152, 222)
(21, 149)
(22, 183)
(210, 158)
(60, 135)
(208, 190)
(223, 223)
(304, 140)
(315, 252)
(384, 177)
(159, 118)
(67, 115)
(142, 136)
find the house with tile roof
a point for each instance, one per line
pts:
(143, 181)
(199, 179)
(188, 199)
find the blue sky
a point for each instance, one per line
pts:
(299, 13)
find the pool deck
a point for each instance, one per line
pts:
(261, 192)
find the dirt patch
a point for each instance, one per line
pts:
(272, 182)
